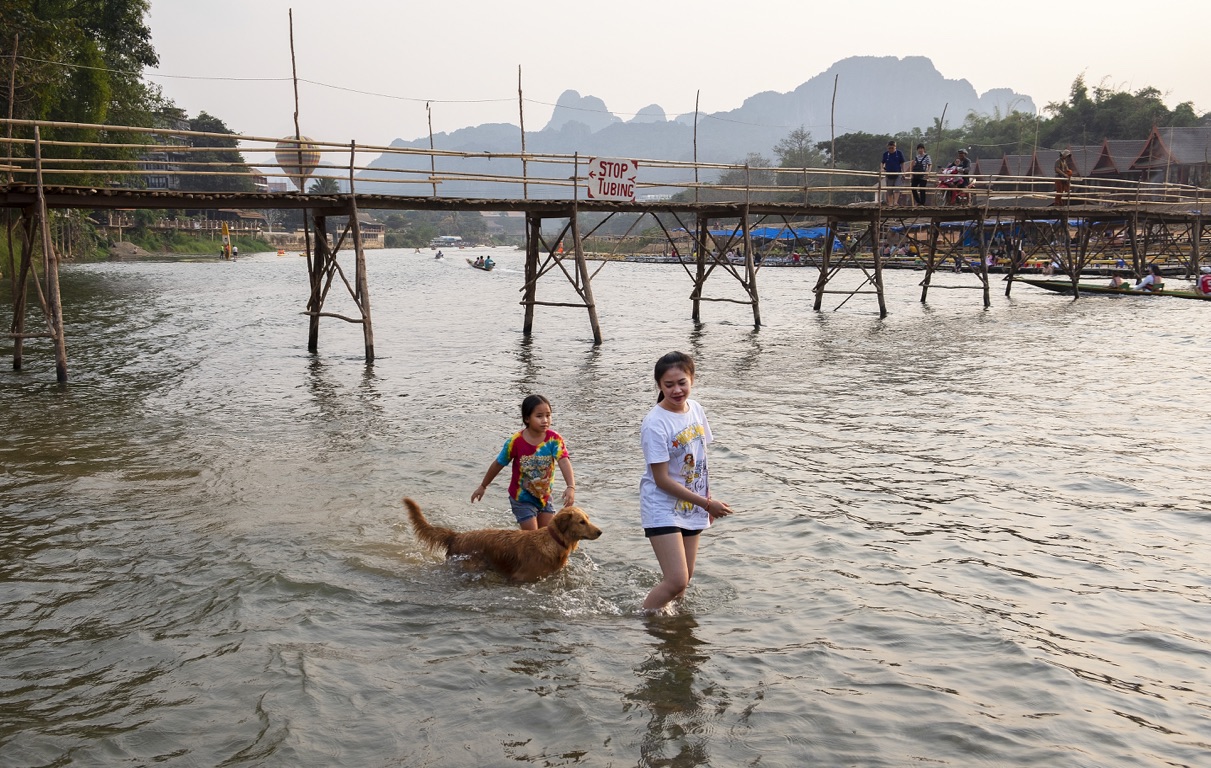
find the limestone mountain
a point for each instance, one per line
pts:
(877, 95)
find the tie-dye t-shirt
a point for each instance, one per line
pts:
(533, 466)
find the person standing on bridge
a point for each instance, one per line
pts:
(922, 164)
(892, 166)
(1065, 167)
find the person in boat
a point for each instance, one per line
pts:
(479, 261)
(1203, 284)
(1153, 281)
(1117, 281)
(489, 263)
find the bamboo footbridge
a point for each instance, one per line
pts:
(708, 214)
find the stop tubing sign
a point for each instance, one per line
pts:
(612, 179)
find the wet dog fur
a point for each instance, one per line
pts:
(518, 555)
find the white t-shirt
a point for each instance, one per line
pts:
(679, 439)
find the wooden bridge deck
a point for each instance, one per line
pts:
(1150, 221)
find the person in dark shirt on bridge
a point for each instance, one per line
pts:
(892, 166)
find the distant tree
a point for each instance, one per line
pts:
(324, 185)
(755, 173)
(796, 150)
(857, 150)
(78, 62)
(1109, 114)
(220, 156)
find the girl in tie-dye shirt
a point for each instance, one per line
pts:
(534, 453)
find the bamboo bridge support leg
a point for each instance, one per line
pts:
(582, 269)
(21, 287)
(53, 300)
(319, 265)
(362, 281)
(1137, 253)
(931, 259)
(984, 267)
(700, 267)
(875, 224)
(533, 240)
(1196, 233)
(1017, 257)
(825, 262)
(750, 270)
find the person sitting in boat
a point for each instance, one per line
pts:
(1153, 281)
(489, 263)
(479, 261)
(1117, 281)
(1203, 284)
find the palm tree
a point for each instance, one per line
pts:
(324, 185)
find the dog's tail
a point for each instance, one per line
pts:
(432, 536)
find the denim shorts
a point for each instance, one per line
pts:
(524, 510)
(667, 529)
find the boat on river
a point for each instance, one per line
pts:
(486, 265)
(1065, 286)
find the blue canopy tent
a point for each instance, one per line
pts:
(769, 234)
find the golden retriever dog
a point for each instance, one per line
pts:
(519, 555)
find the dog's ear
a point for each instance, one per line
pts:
(563, 523)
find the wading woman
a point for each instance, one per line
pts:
(675, 501)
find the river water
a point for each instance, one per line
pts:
(962, 536)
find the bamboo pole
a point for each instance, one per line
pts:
(832, 132)
(432, 155)
(21, 286)
(931, 258)
(825, 259)
(983, 273)
(697, 94)
(533, 239)
(362, 297)
(582, 271)
(876, 224)
(50, 268)
(702, 234)
(750, 269)
(521, 119)
(12, 96)
(313, 260)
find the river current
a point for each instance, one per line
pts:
(963, 536)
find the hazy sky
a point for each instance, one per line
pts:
(231, 58)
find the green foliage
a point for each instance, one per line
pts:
(222, 158)
(324, 185)
(1110, 114)
(857, 151)
(77, 62)
(796, 150)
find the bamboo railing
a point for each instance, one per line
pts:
(127, 157)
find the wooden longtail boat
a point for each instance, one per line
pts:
(1064, 286)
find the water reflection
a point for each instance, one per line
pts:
(677, 733)
(527, 375)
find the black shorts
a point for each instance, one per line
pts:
(667, 529)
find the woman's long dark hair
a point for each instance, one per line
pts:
(672, 360)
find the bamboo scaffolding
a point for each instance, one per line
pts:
(1159, 221)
